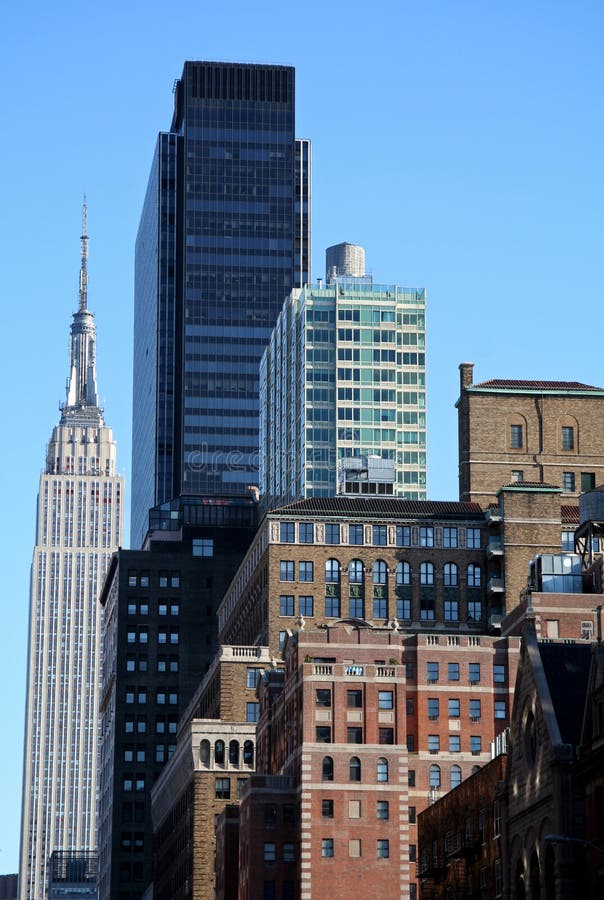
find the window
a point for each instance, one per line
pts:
(332, 533)
(203, 547)
(473, 538)
(473, 575)
(496, 819)
(252, 711)
(498, 875)
(332, 607)
(354, 699)
(327, 809)
(383, 809)
(380, 535)
(474, 670)
(386, 735)
(410, 675)
(517, 476)
(568, 541)
(307, 571)
(434, 777)
(516, 437)
(411, 743)
(382, 769)
(354, 769)
(323, 734)
(568, 437)
(451, 608)
(403, 609)
(380, 572)
(355, 534)
(432, 671)
(332, 571)
(454, 743)
(412, 852)
(588, 481)
(426, 536)
(355, 571)
(403, 573)
(499, 674)
(354, 809)
(568, 482)
(323, 697)
(286, 605)
(327, 769)
(453, 671)
(286, 570)
(426, 573)
(385, 700)
(412, 815)
(474, 610)
(327, 847)
(354, 734)
(455, 776)
(475, 710)
(475, 744)
(433, 743)
(433, 705)
(222, 788)
(383, 848)
(450, 575)
(500, 710)
(453, 708)
(450, 537)
(287, 533)
(270, 853)
(288, 853)
(403, 536)
(354, 848)
(252, 677)
(306, 605)
(282, 639)
(306, 533)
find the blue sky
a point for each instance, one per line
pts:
(459, 141)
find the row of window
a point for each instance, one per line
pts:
(143, 579)
(517, 439)
(162, 696)
(354, 848)
(454, 708)
(475, 746)
(140, 663)
(379, 535)
(379, 606)
(379, 572)
(163, 609)
(453, 672)
(138, 724)
(138, 753)
(141, 636)
(382, 810)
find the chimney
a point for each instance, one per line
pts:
(466, 375)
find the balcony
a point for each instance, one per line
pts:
(495, 586)
(494, 547)
(493, 516)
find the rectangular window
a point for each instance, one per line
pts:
(517, 476)
(222, 788)
(451, 610)
(286, 570)
(383, 848)
(474, 669)
(323, 697)
(327, 847)
(354, 734)
(426, 536)
(332, 533)
(403, 609)
(500, 710)
(385, 700)
(286, 605)
(475, 744)
(516, 437)
(411, 778)
(453, 671)
(354, 809)
(386, 735)
(306, 605)
(432, 672)
(383, 809)
(473, 538)
(474, 610)
(568, 541)
(568, 482)
(380, 536)
(454, 743)
(433, 706)
(270, 853)
(327, 809)
(568, 437)
(403, 535)
(433, 743)
(306, 532)
(252, 677)
(287, 533)
(450, 537)
(453, 708)
(307, 571)
(288, 853)
(499, 674)
(475, 710)
(332, 607)
(354, 848)
(252, 711)
(412, 815)
(323, 734)
(588, 481)
(355, 534)
(203, 547)
(354, 699)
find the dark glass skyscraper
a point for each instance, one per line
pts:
(224, 236)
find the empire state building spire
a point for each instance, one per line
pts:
(82, 403)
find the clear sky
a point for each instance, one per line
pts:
(459, 141)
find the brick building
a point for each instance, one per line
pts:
(545, 432)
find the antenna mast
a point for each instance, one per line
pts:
(84, 263)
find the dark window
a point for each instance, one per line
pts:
(222, 788)
(323, 696)
(327, 769)
(568, 482)
(354, 734)
(323, 734)
(354, 769)
(516, 437)
(355, 534)
(386, 735)
(327, 809)
(568, 437)
(588, 481)
(474, 668)
(354, 698)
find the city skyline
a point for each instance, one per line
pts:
(475, 162)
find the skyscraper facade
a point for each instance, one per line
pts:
(223, 239)
(79, 525)
(343, 393)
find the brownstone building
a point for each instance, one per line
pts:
(542, 432)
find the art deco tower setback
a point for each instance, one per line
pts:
(223, 239)
(79, 525)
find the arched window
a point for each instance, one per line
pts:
(354, 769)
(234, 753)
(327, 770)
(450, 575)
(380, 572)
(204, 753)
(535, 875)
(426, 573)
(332, 571)
(474, 575)
(455, 776)
(403, 573)
(434, 776)
(219, 753)
(248, 753)
(355, 571)
(382, 769)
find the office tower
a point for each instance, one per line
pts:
(344, 259)
(223, 239)
(343, 393)
(79, 525)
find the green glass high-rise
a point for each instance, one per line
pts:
(223, 239)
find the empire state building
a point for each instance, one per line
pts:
(79, 525)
